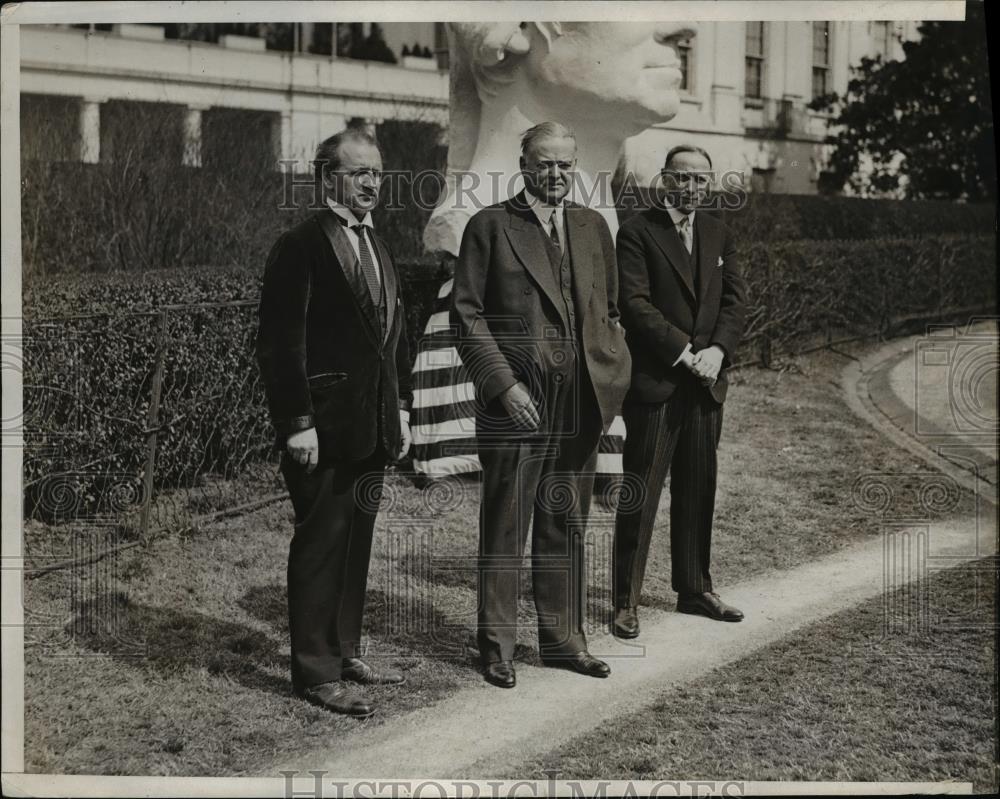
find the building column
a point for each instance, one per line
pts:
(89, 127)
(192, 135)
(284, 133)
(728, 75)
(281, 138)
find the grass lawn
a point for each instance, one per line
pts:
(840, 700)
(174, 659)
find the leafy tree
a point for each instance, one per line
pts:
(923, 124)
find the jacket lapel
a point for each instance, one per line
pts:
(344, 254)
(668, 239)
(522, 232)
(582, 245)
(389, 287)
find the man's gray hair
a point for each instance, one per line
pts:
(685, 148)
(328, 152)
(544, 130)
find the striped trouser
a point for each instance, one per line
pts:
(679, 437)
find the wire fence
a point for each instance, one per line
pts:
(144, 421)
(155, 421)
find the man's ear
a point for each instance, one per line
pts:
(329, 181)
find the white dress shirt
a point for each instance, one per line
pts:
(544, 213)
(348, 216)
(676, 216)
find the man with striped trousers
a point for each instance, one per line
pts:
(682, 302)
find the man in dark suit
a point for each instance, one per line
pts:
(535, 305)
(331, 345)
(683, 304)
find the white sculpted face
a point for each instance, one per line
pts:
(628, 72)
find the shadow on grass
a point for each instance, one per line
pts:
(406, 625)
(269, 604)
(168, 641)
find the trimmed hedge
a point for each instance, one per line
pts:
(802, 293)
(88, 380)
(786, 217)
(118, 292)
(154, 217)
(770, 217)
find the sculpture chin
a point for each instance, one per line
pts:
(443, 233)
(658, 93)
(652, 99)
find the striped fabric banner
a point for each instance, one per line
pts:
(442, 419)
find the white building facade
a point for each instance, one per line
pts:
(745, 99)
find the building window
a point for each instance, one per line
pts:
(882, 37)
(684, 53)
(755, 60)
(821, 59)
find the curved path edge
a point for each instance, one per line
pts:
(479, 731)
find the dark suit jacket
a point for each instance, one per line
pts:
(321, 357)
(664, 306)
(509, 312)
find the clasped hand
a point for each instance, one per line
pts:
(706, 364)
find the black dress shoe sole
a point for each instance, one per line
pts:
(354, 714)
(697, 611)
(629, 634)
(569, 666)
(357, 681)
(499, 682)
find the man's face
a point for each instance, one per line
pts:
(686, 181)
(355, 182)
(622, 74)
(548, 168)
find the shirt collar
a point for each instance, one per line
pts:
(348, 216)
(543, 211)
(676, 216)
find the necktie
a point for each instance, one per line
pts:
(554, 231)
(368, 265)
(684, 228)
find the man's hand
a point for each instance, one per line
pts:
(303, 446)
(686, 358)
(708, 363)
(405, 438)
(517, 402)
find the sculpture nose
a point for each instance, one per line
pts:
(672, 32)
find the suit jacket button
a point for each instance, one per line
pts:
(527, 290)
(614, 349)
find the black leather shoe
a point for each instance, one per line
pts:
(581, 662)
(338, 698)
(626, 623)
(501, 674)
(708, 604)
(356, 670)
